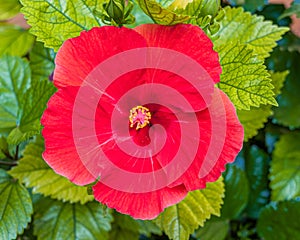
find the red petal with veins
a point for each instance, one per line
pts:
(185, 38)
(60, 152)
(233, 142)
(142, 205)
(78, 56)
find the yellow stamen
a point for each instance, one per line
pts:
(140, 116)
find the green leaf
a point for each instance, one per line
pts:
(124, 227)
(65, 221)
(31, 109)
(34, 102)
(36, 174)
(148, 227)
(15, 207)
(244, 78)
(196, 8)
(252, 5)
(41, 62)
(161, 15)
(280, 221)
(53, 22)
(294, 9)
(167, 3)
(14, 82)
(15, 40)
(16, 136)
(140, 16)
(278, 79)
(257, 169)
(254, 119)
(236, 2)
(288, 111)
(9, 8)
(181, 220)
(213, 230)
(285, 168)
(22, 100)
(3, 148)
(236, 192)
(291, 43)
(252, 30)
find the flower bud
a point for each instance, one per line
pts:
(210, 7)
(115, 9)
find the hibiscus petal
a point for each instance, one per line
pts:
(191, 92)
(139, 205)
(209, 163)
(79, 56)
(185, 38)
(233, 141)
(60, 152)
(198, 86)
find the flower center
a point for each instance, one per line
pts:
(139, 116)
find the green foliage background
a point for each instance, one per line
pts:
(258, 197)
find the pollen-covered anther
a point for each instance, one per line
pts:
(139, 116)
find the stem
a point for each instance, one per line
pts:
(17, 153)
(8, 155)
(8, 163)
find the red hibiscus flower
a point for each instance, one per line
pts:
(137, 110)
